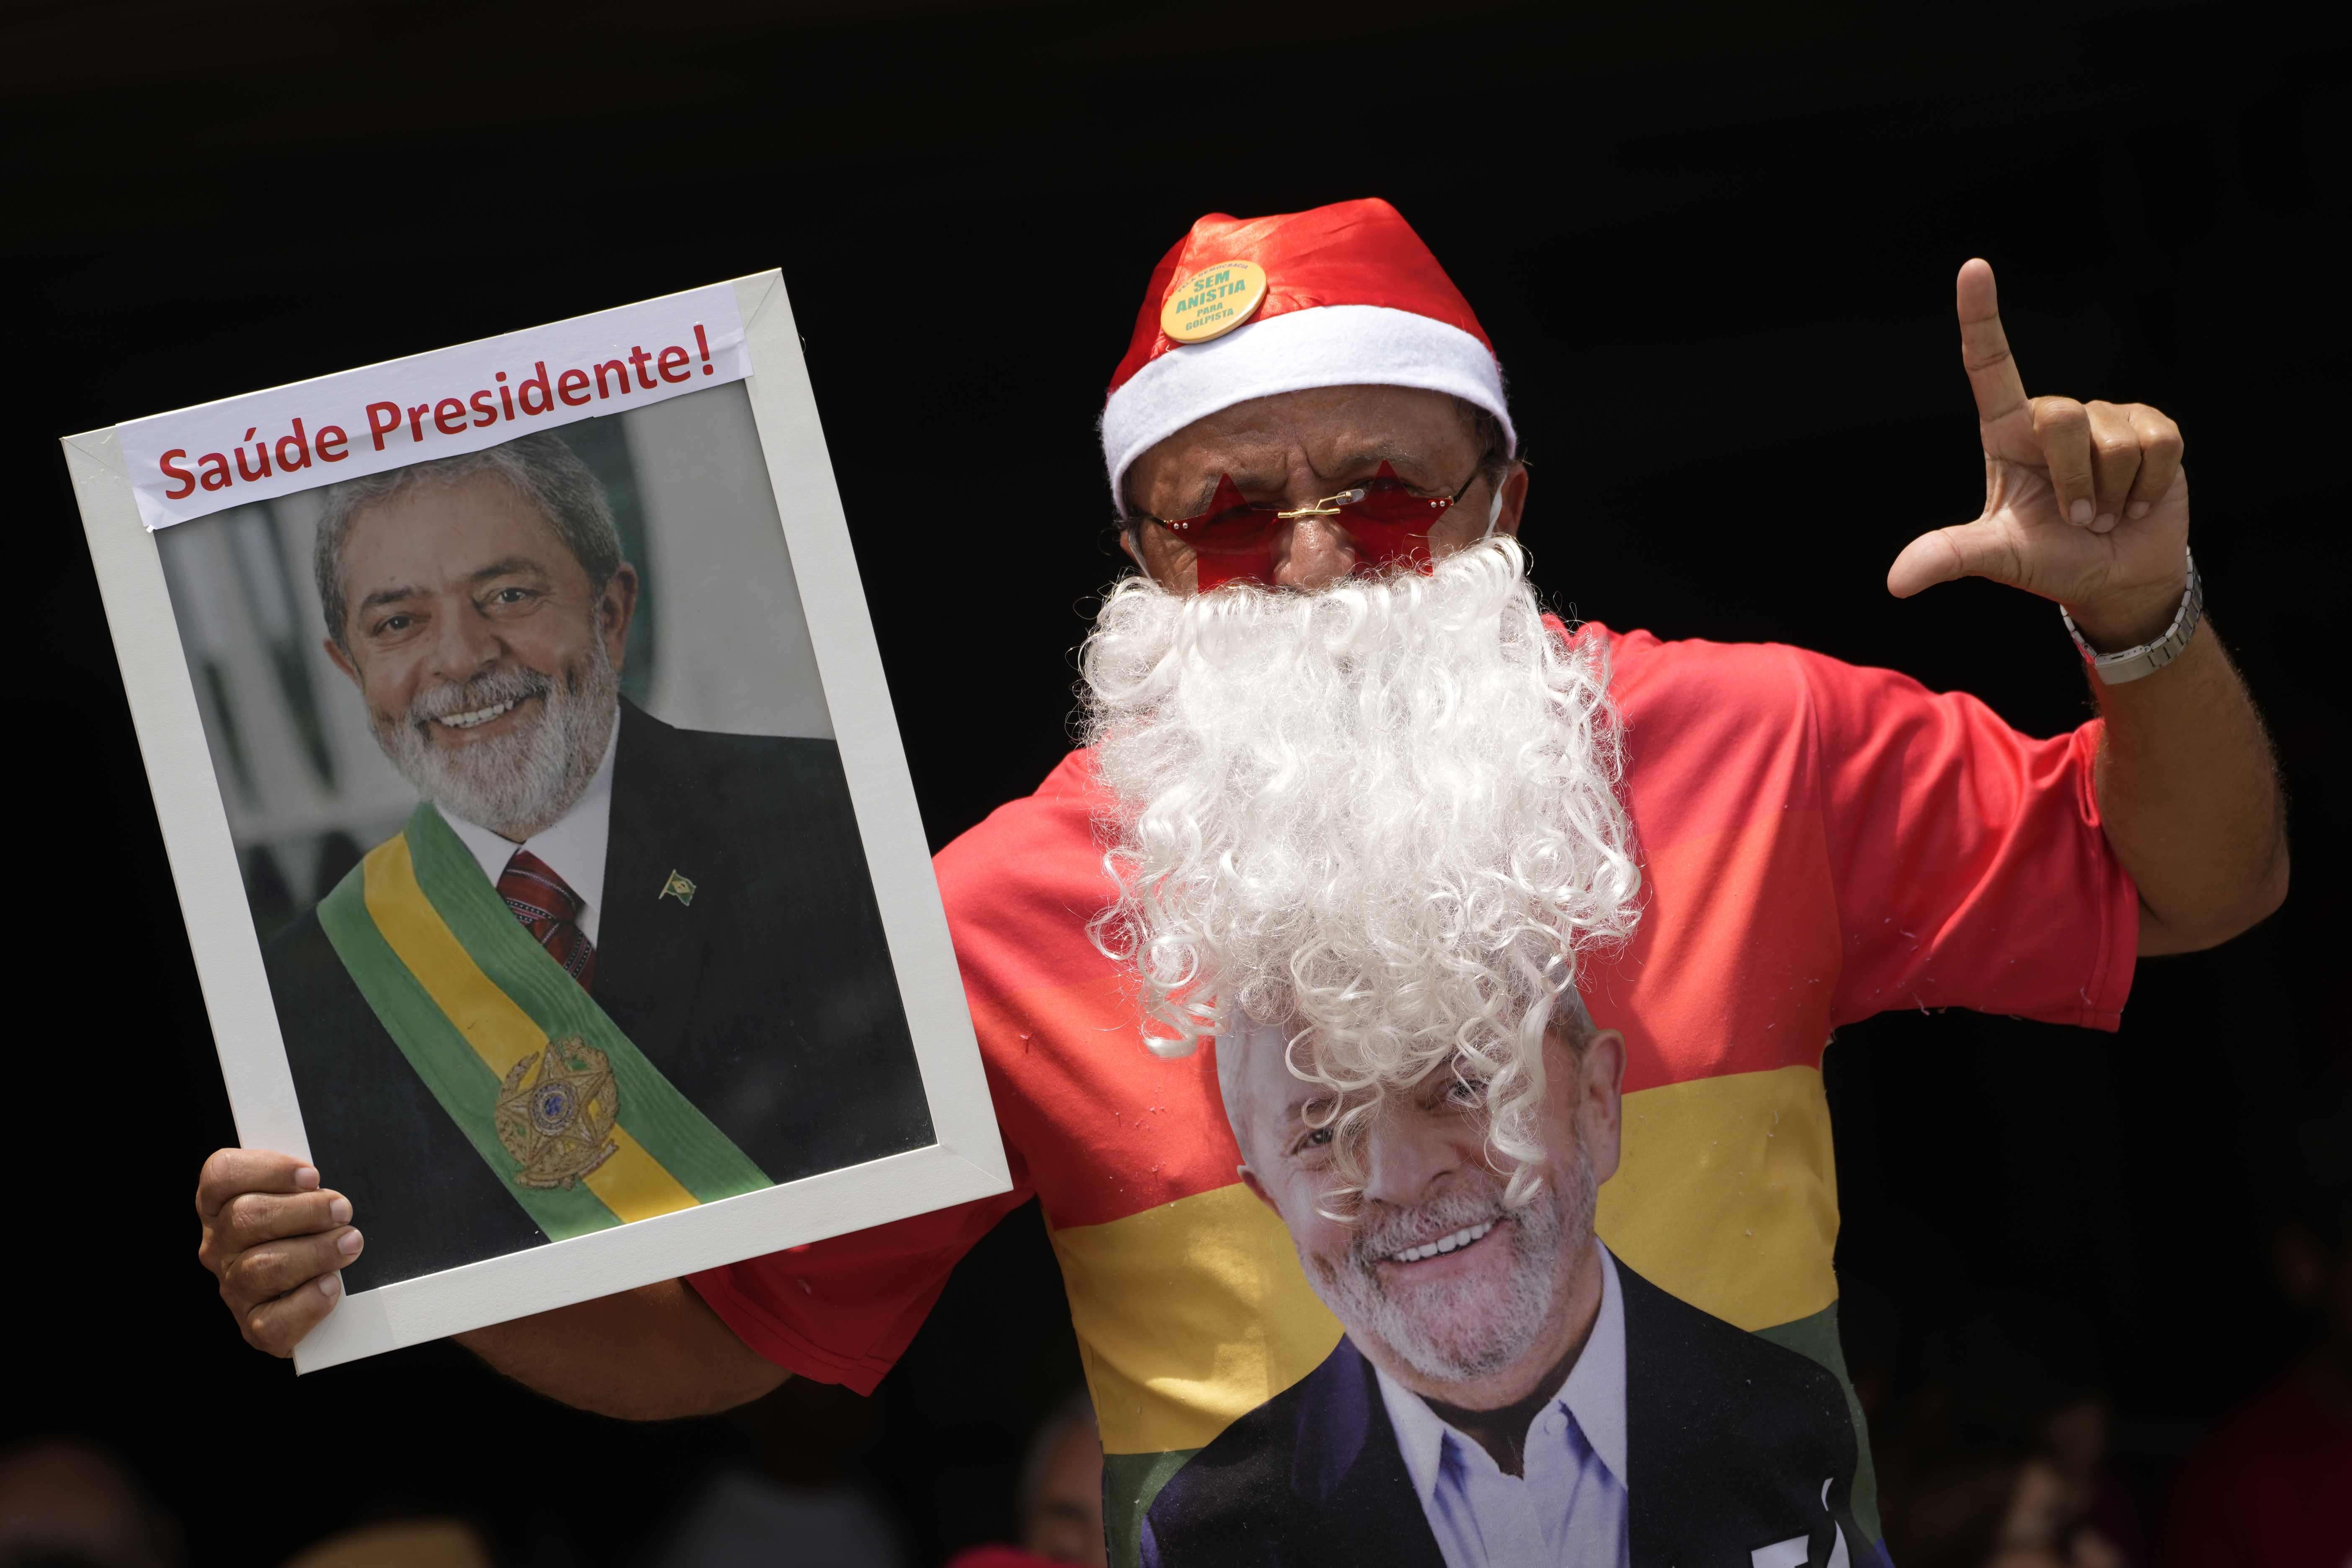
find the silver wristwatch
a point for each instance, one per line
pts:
(2115, 668)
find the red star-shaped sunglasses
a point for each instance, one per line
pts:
(1387, 523)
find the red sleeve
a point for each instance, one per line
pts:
(845, 1310)
(1970, 866)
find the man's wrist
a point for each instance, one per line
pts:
(2127, 620)
(2120, 666)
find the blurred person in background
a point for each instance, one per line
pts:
(1992, 1509)
(795, 1500)
(1060, 1500)
(1997, 1452)
(68, 1504)
(1061, 1486)
(2272, 1486)
(400, 1543)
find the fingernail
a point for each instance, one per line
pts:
(349, 1243)
(2104, 522)
(331, 1285)
(306, 1179)
(2136, 510)
(340, 1211)
(2079, 512)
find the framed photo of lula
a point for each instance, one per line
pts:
(538, 811)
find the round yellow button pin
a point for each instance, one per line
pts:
(1213, 301)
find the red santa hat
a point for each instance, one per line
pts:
(1341, 296)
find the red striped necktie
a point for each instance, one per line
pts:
(550, 910)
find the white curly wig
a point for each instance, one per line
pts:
(1384, 815)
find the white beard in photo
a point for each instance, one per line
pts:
(520, 782)
(1449, 1335)
(1384, 812)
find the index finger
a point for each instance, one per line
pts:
(233, 1172)
(1984, 347)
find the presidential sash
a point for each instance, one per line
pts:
(582, 1131)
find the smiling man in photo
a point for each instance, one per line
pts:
(1507, 1391)
(609, 969)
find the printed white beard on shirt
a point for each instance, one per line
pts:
(1452, 1335)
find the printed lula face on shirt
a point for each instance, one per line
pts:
(1811, 834)
(1492, 1394)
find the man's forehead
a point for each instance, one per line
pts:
(1336, 430)
(1273, 458)
(453, 529)
(1269, 1092)
(1331, 422)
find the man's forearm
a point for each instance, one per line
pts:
(2189, 794)
(650, 1354)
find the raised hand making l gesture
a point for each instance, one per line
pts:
(2085, 503)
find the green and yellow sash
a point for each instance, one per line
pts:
(580, 1127)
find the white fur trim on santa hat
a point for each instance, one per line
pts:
(1327, 345)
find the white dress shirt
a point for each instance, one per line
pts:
(1570, 1508)
(572, 846)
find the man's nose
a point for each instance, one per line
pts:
(1406, 1159)
(463, 642)
(1319, 552)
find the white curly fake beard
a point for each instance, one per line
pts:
(1384, 812)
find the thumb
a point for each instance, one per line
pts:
(1965, 550)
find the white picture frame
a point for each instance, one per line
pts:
(966, 1161)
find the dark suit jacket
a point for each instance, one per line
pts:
(770, 1002)
(1728, 1441)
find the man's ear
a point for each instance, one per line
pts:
(616, 608)
(1602, 1104)
(342, 661)
(1515, 501)
(1257, 1188)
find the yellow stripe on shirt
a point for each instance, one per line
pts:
(1190, 1315)
(1725, 1194)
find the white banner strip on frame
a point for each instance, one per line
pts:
(195, 461)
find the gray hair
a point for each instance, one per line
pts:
(541, 467)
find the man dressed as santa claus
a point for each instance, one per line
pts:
(1351, 794)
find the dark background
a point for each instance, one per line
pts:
(1714, 249)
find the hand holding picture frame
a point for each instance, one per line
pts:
(538, 811)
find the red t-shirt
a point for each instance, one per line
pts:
(1819, 842)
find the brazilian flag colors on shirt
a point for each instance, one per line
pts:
(1820, 843)
(584, 1132)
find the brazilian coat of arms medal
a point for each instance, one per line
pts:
(556, 1112)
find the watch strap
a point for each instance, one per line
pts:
(2116, 668)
